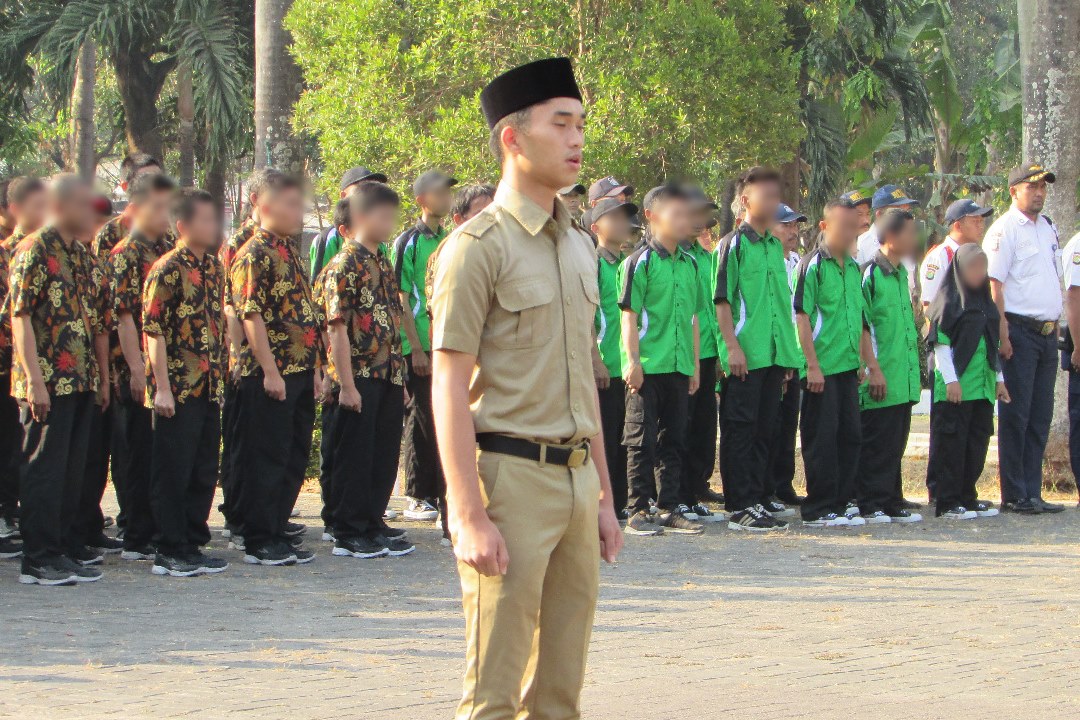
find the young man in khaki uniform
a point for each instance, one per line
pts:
(513, 303)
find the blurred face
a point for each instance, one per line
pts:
(437, 202)
(377, 225)
(1029, 197)
(74, 214)
(548, 150)
(904, 243)
(671, 220)
(30, 214)
(281, 211)
(573, 203)
(151, 214)
(969, 229)
(841, 228)
(973, 275)
(761, 200)
(613, 228)
(203, 230)
(865, 218)
(788, 234)
(477, 204)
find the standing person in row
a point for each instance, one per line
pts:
(753, 312)
(117, 229)
(885, 197)
(328, 242)
(573, 197)
(277, 366)
(609, 187)
(7, 223)
(781, 474)
(1070, 356)
(967, 224)
(363, 310)
(660, 301)
(862, 204)
(895, 382)
(469, 200)
(609, 222)
(10, 429)
(184, 323)
(830, 313)
(150, 197)
(55, 376)
(965, 330)
(28, 203)
(424, 482)
(513, 309)
(1025, 279)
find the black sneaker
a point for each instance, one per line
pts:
(790, 498)
(10, 549)
(303, 557)
(778, 509)
(674, 522)
(46, 573)
(174, 566)
(207, 564)
(9, 529)
(294, 529)
(83, 573)
(983, 509)
(272, 554)
(362, 547)
(395, 547)
(105, 544)
(906, 504)
(392, 532)
(142, 552)
(754, 519)
(641, 523)
(1022, 507)
(327, 535)
(85, 556)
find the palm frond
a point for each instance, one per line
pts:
(824, 149)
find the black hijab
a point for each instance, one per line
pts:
(966, 315)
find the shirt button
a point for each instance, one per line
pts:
(573, 355)
(567, 299)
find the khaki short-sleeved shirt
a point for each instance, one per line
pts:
(516, 287)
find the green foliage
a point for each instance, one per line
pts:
(674, 88)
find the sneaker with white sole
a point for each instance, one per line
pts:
(828, 521)
(174, 566)
(144, 552)
(420, 510)
(48, 573)
(676, 522)
(686, 512)
(958, 513)
(754, 519)
(856, 521)
(641, 523)
(705, 514)
(778, 509)
(327, 535)
(362, 547)
(878, 517)
(237, 543)
(905, 516)
(389, 514)
(984, 509)
(852, 510)
(272, 554)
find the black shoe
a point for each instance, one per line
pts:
(674, 522)
(906, 504)
(141, 552)
(105, 544)
(109, 521)
(778, 509)
(272, 554)
(174, 566)
(303, 557)
(10, 549)
(711, 496)
(46, 573)
(83, 573)
(294, 529)
(85, 556)
(1022, 507)
(395, 547)
(790, 498)
(1047, 507)
(207, 564)
(754, 519)
(9, 529)
(362, 547)
(392, 532)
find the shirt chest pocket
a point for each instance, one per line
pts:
(1027, 258)
(525, 317)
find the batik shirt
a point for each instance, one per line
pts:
(5, 318)
(359, 288)
(129, 264)
(17, 236)
(51, 282)
(183, 304)
(109, 236)
(268, 279)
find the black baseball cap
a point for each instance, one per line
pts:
(432, 180)
(965, 208)
(606, 206)
(359, 174)
(572, 190)
(856, 198)
(608, 187)
(1033, 172)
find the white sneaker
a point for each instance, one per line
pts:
(420, 510)
(855, 520)
(959, 513)
(686, 512)
(390, 514)
(988, 512)
(851, 510)
(905, 516)
(878, 517)
(830, 520)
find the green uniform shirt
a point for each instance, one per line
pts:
(663, 289)
(411, 252)
(830, 294)
(752, 278)
(892, 333)
(608, 315)
(329, 249)
(708, 332)
(979, 381)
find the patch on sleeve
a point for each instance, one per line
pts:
(931, 271)
(1076, 258)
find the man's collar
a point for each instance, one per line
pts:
(423, 228)
(660, 250)
(823, 249)
(1021, 217)
(529, 215)
(747, 230)
(950, 241)
(188, 254)
(608, 256)
(883, 262)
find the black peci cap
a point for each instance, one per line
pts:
(528, 85)
(1033, 172)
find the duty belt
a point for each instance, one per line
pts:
(571, 457)
(1043, 327)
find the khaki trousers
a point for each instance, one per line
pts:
(528, 631)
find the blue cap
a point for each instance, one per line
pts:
(856, 198)
(785, 214)
(890, 196)
(965, 208)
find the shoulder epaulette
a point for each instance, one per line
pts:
(480, 223)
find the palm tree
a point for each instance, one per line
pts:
(82, 103)
(277, 88)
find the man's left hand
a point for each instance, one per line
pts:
(611, 535)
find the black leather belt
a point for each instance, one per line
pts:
(1043, 327)
(571, 457)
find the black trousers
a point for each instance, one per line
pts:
(655, 437)
(89, 520)
(612, 420)
(326, 461)
(275, 439)
(365, 465)
(54, 458)
(137, 422)
(750, 407)
(699, 456)
(10, 448)
(1024, 423)
(230, 443)
(1074, 426)
(117, 452)
(781, 473)
(879, 484)
(423, 470)
(184, 474)
(961, 432)
(831, 440)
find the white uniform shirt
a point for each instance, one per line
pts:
(935, 268)
(868, 246)
(1070, 262)
(1025, 258)
(792, 262)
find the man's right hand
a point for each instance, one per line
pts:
(274, 386)
(480, 545)
(421, 363)
(815, 380)
(137, 385)
(736, 361)
(953, 393)
(40, 402)
(635, 378)
(1006, 348)
(164, 403)
(349, 398)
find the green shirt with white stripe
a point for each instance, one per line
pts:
(708, 332)
(892, 333)
(608, 314)
(828, 290)
(410, 256)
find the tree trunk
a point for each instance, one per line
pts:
(185, 109)
(139, 81)
(1050, 79)
(214, 181)
(277, 88)
(791, 182)
(83, 131)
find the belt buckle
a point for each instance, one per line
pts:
(578, 457)
(1048, 327)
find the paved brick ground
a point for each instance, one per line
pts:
(931, 621)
